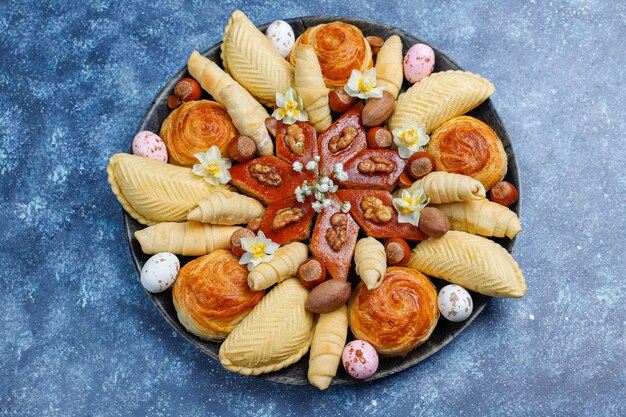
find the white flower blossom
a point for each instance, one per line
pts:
(300, 196)
(290, 108)
(258, 249)
(212, 167)
(297, 166)
(323, 188)
(410, 205)
(363, 85)
(311, 165)
(327, 203)
(346, 206)
(410, 139)
(317, 206)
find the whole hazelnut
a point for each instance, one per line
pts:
(188, 89)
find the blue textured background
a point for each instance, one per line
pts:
(78, 335)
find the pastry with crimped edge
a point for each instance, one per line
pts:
(152, 191)
(438, 98)
(471, 261)
(276, 334)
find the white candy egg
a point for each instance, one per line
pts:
(159, 272)
(455, 303)
(281, 36)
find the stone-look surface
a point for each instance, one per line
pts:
(78, 335)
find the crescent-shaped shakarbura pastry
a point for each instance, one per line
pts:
(274, 335)
(398, 316)
(283, 265)
(250, 58)
(482, 217)
(440, 97)
(329, 338)
(471, 261)
(187, 239)
(389, 72)
(194, 127)
(226, 207)
(468, 146)
(309, 84)
(211, 295)
(445, 187)
(153, 191)
(340, 48)
(247, 114)
(370, 261)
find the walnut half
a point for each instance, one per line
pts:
(374, 209)
(340, 142)
(338, 232)
(285, 216)
(376, 164)
(265, 173)
(294, 138)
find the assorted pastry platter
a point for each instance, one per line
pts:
(272, 245)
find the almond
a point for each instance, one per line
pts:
(272, 125)
(328, 296)
(376, 42)
(340, 101)
(254, 224)
(434, 222)
(377, 110)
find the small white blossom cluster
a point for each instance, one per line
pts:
(320, 188)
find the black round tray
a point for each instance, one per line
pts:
(297, 373)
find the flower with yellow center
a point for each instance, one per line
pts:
(410, 205)
(290, 108)
(212, 167)
(258, 249)
(363, 85)
(410, 139)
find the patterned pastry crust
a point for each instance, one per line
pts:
(309, 84)
(396, 317)
(250, 58)
(283, 265)
(188, 238)
(468, 146)
(194, 127)
(329, 339)
(389, 72)
(152, 191)
(247, 114)
(274, 335)
(444, 187)
(482, 217)
(340, 48)
(226, 207)
(440, 97)
(370, 262)
(211, 295)
(471, 261)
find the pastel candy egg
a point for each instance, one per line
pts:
(159, 272)
(149, 145)
(455, 303)
(419, 62)
(281, 36)
(360, 359)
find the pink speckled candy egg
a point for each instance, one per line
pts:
(360, 359)
(419, 62)
(149, 145)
